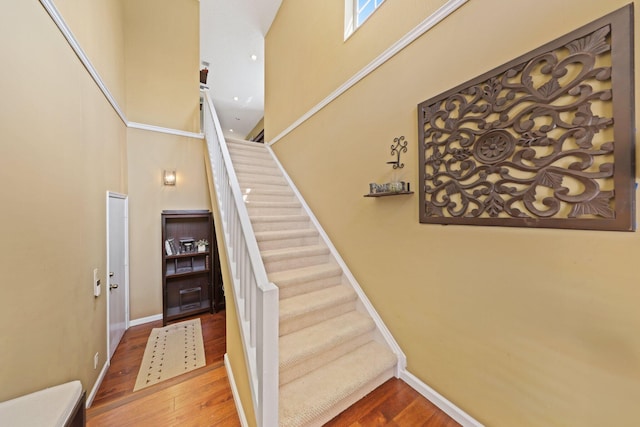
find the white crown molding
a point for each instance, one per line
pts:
(160, 129)
(73, 42)
(431, 21)
(75, 45)
(439, 400)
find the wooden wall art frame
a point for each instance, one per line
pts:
(546, 140)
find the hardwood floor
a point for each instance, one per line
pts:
(199, 398)
(203, 397)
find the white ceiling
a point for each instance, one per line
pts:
(231, 31)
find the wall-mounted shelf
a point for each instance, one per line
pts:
(390, 193)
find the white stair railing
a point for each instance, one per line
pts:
(256, 299)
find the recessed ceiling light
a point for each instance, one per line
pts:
(254, 57)
(235, 98)
(230, 130)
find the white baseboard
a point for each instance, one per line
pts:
(143, 320)
(97, 384)
(234, 392)
(440, 401)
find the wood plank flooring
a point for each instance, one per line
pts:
(203, 397)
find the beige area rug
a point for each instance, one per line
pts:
(173, 350)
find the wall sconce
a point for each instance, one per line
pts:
(169, 177)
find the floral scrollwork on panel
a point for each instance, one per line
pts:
(534, 141)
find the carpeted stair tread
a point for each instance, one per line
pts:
(285, 234)
(257, 156)
(319, 396)
(279, 218)
(261, 179)
(258, 170)
(268, 190)
(267, 204)
(305, 274)
(280, 222)
(281, 254)
(315, 301)
(251, 159)
(247, 145)
(304, 344)
(265, 189)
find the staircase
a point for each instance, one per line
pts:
(331, 351)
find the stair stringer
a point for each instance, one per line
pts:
(382, 333)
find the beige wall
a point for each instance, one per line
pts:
(98, 26)
(518, 327)
(162, 60)
(235, 352)
(62, 147)
(149, 154)
(319, 53)
(162, 54)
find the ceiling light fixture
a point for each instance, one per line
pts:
(254, 57)
(230, 130)
(235, 98)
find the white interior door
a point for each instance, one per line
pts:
(117, 288)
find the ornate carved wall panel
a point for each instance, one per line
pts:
(543, 141)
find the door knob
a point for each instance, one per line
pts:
(113, 286)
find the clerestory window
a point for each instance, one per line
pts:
(356, 12)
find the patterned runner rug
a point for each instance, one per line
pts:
(173, 350)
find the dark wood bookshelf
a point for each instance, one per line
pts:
(191, 280)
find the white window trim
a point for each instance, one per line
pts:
(350, 16)
(349, 19)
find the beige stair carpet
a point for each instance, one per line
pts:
(330, 355)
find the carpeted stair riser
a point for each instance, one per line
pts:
(273, 205)
(308, 349)
(244, 159)
(268, 240)
(262, 179)
(249, 151)
(275, 208)
(311, 318)
(322, 358)
(246, 147)
(280, 222)
(265, 189)
(295, 261)
(316, 398)
(258, 170)
(305, 310)
(310, 286)
(309, 279)
(270, 196)
(249, 160)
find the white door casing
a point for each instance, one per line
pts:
(117, 275)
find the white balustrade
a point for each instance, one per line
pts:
(256, 299)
